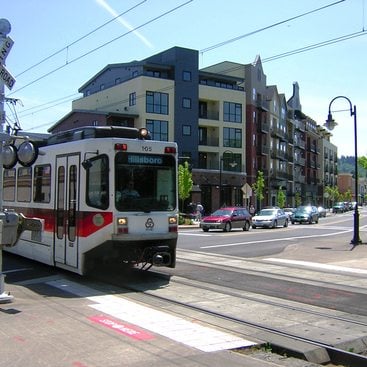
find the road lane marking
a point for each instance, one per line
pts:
(311, 264)
(276, 240)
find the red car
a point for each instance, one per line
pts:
(226, 219)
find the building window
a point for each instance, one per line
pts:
(132, 99)
(232, 112)
(134, 73)
(232, 162)
(155, 73)
(117, 80)
(157, 102)
(186, 130)
(101, 87)
(232, 138)
(158, 129)
(186, 76)
(186, 102)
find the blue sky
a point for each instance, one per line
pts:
(43, 28)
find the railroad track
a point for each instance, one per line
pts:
(146, 287)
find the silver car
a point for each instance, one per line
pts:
(270, 218)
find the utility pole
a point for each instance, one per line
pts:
(5, 78)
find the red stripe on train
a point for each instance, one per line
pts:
(87, 223)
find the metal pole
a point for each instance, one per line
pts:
(4, 30)
(356, 239)
(220, 181)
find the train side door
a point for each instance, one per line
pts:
(67, 206)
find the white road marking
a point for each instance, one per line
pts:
(317, 265)
(276, 240)
(178, 329)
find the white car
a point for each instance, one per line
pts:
(270, 218)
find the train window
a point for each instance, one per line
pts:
(72, 203)
(60, 202)
(42, 183)
(97, 189)
(152, 177)
(24, 184)
(9, 184)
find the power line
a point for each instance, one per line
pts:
(316, 45)
(225, 71)
(210, 48)
(103, 45)
(80, 38)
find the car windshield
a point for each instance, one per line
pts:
(267, 212)
(304, 209)
(222, 212)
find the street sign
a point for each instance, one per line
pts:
(5, 49)
(247, 190)
(6, 77)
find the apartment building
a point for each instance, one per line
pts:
(227, 122)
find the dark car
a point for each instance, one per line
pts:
(339, 207)
(226, 219)
(306, 214)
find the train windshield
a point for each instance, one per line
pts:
(145, 182)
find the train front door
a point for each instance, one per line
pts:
(67, 206)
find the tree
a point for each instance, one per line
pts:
(298, 199)
(258, 187)
(184, 182)
(333, 193)
(362, 161)
(281, 198)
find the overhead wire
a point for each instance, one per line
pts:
(220, 44)
(103, 45)
(275, 57)
(80, 39)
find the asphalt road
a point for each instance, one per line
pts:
(265, 242)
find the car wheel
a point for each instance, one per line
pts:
(246, 227)
(310, 220)
(286, 223)
(275, 224)
(317, 220)
(293, 222)
(253, 226)
(227, 227)
(206, 229)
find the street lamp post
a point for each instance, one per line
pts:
(232, 164)
(330, 124)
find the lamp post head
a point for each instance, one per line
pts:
(330, 122)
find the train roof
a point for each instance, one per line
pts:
(95, 132)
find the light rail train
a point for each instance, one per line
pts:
(78, 182)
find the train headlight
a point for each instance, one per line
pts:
(122, 225)
(172, 220)
(9, 155)
(172, 224)
(27, 153)
(122, 221)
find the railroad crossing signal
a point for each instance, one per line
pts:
(5, 76)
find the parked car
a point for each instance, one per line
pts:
(290, 212)
(306, 214)
(226, 219)
(270, 218)
(339, 207)
(322, 211)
